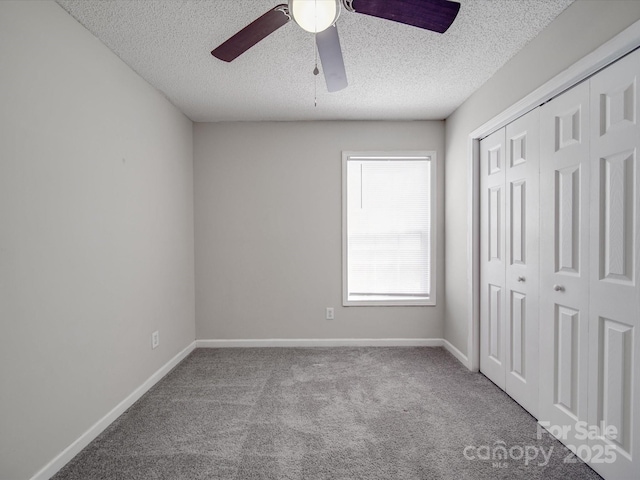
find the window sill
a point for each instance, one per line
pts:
(385, 301)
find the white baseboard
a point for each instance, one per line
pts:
(462, 358)
(335, 342)
(87, 437)
(322, 342)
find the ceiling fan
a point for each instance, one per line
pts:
(319, 17)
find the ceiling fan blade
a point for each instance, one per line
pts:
(257, 30)
(435, 15)
(330, 52)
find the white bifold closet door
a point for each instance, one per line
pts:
(492, 273)
(564, 258)
(509, 256)
(614, 293)
(589, 264)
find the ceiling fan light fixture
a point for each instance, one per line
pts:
(314, 15)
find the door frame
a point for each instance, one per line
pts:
(620, 45)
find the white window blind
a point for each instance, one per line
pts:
(388, 229)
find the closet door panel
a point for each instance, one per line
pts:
(521, 244)
(564, 259)
(614, 307)
(492, 277)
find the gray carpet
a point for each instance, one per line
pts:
(322, 413)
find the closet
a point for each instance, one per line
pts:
(560, 256)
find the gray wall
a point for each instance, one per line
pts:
(96, 233)
(268, 230)
(579, 30)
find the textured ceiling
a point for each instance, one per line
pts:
(395, 71)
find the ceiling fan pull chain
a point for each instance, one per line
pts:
(315, 72)
(315, 49)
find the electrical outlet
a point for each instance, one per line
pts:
(329, 315)
(155, 339)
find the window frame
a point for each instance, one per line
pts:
(431, 156)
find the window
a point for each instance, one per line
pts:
(387, 234)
